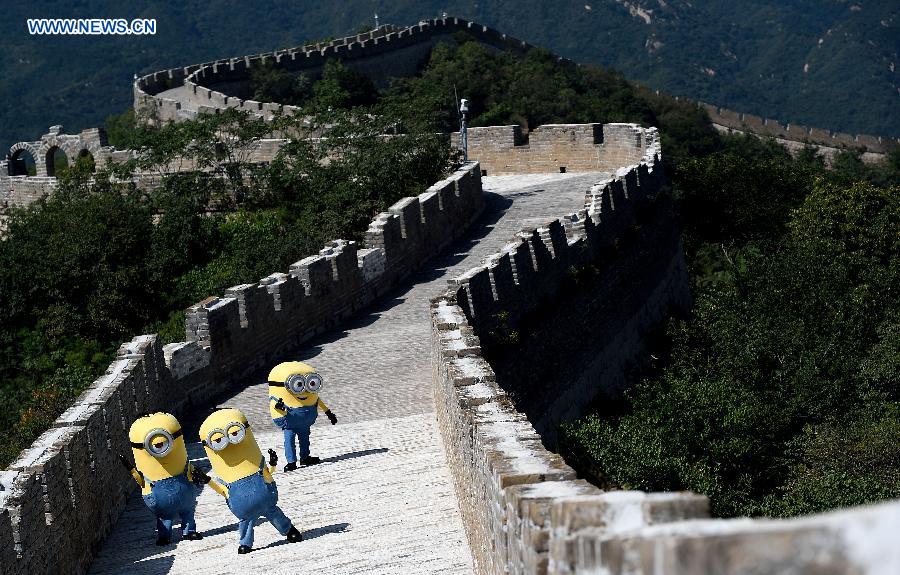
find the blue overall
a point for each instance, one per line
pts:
(296, 423)
(250, 498)
(171, 497)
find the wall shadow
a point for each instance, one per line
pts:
(354, 454)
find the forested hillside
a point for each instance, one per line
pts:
(825, 63)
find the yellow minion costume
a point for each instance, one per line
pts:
(294, 405)
(243, 477)
(162, 471)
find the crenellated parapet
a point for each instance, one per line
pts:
(739, 121)
(557, 148)
(796, 137)
(387, 51)
(70, 478)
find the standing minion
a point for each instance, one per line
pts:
(162, 470)
(294, 405)
(242, 475)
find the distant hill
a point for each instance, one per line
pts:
(825, 63)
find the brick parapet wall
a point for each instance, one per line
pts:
(382, 53)
(739, 121)
(63, 494)
(557, 147)
(523, 508)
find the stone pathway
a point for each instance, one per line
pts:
(180, 94)
(382, 501)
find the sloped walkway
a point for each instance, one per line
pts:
(382, 501)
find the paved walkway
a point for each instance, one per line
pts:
(180, 94)
(382, 501)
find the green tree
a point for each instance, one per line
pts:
(343, 87)
(780, 356)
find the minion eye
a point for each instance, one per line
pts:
(314, 382)
(295, 383)
(158, 442)
(236, 433)
(218, 441)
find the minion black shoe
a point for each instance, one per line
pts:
(294, 536)
(311, 460)
(194, 536)
(244, 549)
(290, 466)
(163, 541)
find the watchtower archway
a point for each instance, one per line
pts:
(56, 161)
(22, 162)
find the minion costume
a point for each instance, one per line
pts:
(162, 470)
(243, 477)
(294, 405)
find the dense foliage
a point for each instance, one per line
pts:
(98, 262)
(779, 394)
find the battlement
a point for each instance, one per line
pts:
(70, 478)
(399, 51)
(557, 147)
(739, 121)
(382, 53)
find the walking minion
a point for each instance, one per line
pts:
(294, 405)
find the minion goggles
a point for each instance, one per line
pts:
(297, 383)
(153, 437)
(233, 433)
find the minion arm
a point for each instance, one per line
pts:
(219, 488)
(137, 477)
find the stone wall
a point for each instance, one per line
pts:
(17, 191)
(385, 52)
(91, 141)
(556, 148)
(59, 499)
(498, 149)
(795, 136)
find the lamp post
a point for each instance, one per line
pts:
(463, 136)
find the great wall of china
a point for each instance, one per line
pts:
(453, 475)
